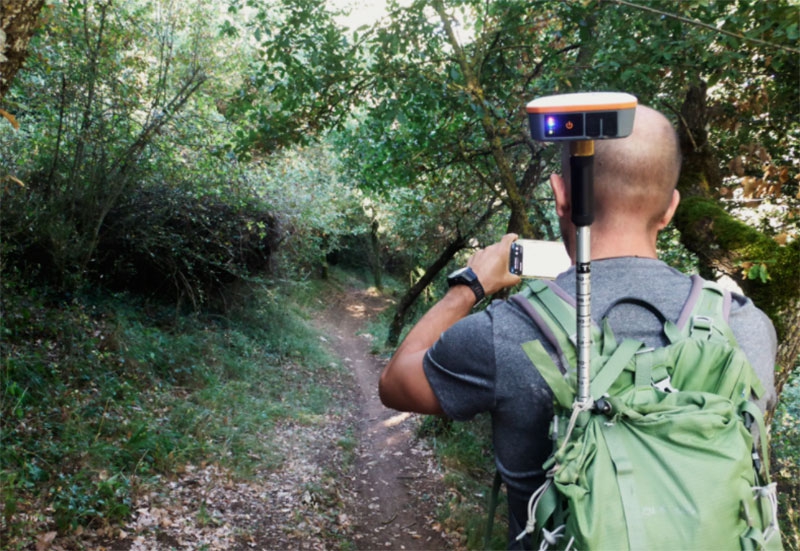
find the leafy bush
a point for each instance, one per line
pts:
(174, 244)
(319, 212)
(85, 498)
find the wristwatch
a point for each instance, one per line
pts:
(465, 276)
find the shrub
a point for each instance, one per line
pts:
(173, 244)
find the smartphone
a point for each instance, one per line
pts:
(535, 258)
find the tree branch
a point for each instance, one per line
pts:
(697, 23)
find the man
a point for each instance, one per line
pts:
(459, 365)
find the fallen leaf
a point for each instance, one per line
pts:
(43, 541)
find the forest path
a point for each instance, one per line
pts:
(353, 477)
(394, 486)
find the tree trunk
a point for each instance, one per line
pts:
(413, 293)
(375, 260)
(700, 174)
(17, 25)
(460, 241)
(494, 130)
(725, 245)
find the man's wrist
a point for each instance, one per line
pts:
(463, 294)
(467, 278)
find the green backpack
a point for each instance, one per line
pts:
(663, 456)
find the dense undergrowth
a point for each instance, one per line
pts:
(786, 459)
(101, 395)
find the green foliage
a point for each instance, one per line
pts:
(100, 397)
(302, 80)
(436, 118)
(148, 196)
(775, 282)
(673, 252)
(99, 89)
(785, 453)
(745, 53)
(316, 206)
(758, 271)
(83, 498)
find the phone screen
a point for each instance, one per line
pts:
(535, 258)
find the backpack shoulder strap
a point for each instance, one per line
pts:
(705, 317)
(705, 313)
(553, 312)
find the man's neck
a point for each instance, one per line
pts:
(622, 244)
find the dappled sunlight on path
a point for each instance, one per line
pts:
(395, 486)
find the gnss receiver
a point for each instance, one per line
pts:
(582, 116)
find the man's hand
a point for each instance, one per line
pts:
(403, 383)
(491, 265)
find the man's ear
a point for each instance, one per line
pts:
(670, 212)
(560, 194)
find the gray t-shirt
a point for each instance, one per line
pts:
(478, 364)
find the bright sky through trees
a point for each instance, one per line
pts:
(362, 12)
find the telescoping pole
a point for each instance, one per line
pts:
(580, 119)
(581, 165)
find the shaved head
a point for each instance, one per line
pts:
(634, 177)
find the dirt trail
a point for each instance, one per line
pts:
(395, 485)
(381, 494)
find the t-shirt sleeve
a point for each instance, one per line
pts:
(755, 335)
(460, 367)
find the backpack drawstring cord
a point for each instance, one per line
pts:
(533, 502)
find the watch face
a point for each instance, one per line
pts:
(465, 276)
(462, 274)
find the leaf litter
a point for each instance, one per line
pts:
(384, 493)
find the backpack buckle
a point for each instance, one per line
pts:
(665, 385)
(701, 324)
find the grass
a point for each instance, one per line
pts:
(465, 452)
(99, 395)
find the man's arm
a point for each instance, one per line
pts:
(403, 384)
